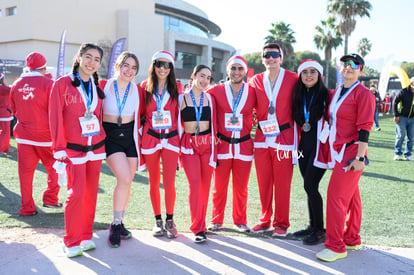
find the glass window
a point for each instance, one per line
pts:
(178, 25)
(186, 60)
(11, 11)
(216, 65)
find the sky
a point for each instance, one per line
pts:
(245, 24)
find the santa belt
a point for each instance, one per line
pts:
(233, 140)
(82, 148)
(162, 135)
(281, 127)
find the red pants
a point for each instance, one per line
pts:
(240, 174)
(343, 206)
(28, 157)
(4, 136)
(83, 181)
(199, 173)
(274, 170)
(169, 168)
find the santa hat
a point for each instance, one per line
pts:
(163, 54)
(310, 63)
(236, 59)
(1, 76)
(35, 61)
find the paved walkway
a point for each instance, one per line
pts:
(144, 254)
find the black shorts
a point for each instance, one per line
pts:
(120, 139)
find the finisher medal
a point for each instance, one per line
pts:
(119, 121)
(158, 117)
(197, 130)
(234, 120)
(306, 127)
(271, 109)
(88, 114)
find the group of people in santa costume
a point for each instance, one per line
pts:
(75, 122)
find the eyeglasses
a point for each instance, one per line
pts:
(354, 65)
(159, 64)
(268, 55)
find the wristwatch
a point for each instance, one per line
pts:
(359, 158)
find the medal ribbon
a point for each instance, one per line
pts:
(88, 94)
(198, 109)
(306, 111)
(237, 101)
(159, 98)
(121, 106)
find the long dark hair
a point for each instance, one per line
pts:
(320, 103)
(82, 50)
(152, 84)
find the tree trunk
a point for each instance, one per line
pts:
(346, 44)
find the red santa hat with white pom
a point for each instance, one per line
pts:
(236, 59)
(308, 63)
(163, 54)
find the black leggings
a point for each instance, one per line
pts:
(311, 177)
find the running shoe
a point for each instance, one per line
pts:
(171, 229)
(158, 229)
(114, 237)
(328, 255)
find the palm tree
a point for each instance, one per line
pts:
(348, 10)
(327, 38)
(364, 47)
(282, 34)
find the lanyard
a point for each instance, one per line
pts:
(121, 106)
(159, 98)
(198, 109)
(306, 111)
(237, 100)
(88, 94)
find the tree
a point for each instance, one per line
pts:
(254, 60)
(327, 37)
(408, 68)
(348, 11)
(282, 34)
(364, 47)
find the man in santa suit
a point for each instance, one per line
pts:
(234, 106)
(275, 140)
(5, 116)
(29, 98)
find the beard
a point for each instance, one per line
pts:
(236, 81)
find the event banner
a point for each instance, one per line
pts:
(117, 49)
(61, 57)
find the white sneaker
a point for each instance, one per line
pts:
(214, 227)
(242, 228)
(397, 157)
(87, 245)
(409, 158)
(72, 251)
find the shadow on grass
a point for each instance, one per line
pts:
(385, 177)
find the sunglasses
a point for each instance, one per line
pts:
(354, 65)
(159, 64)
(268, 55)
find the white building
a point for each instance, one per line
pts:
(148, 25)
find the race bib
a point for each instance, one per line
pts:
(90, 126)
(270, 128)
(233, 122)
(161, 120)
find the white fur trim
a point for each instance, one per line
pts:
(308, 64)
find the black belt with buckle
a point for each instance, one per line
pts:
(84, 148)
(233, 140)
(162, 135)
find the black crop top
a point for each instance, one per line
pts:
(188, 113)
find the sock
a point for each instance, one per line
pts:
(158, 217)
(122, 216)
(117, 217)
(169, 217)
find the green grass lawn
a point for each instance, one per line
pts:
(387, 189)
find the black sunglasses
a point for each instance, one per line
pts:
(159, 64)
(268, 55)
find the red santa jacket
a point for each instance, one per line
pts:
(223, 96)
(349, 113)
(67, 105)
(151, 144)
(5, 108)
(186, 145)
(283, 96)
(29, 99)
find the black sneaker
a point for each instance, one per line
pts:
(304, 232)
(125, 233)
(318, 236)
(114, 237)
(200, 237)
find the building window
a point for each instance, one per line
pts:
(186, 60)
(11, 11)
(178, 25)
